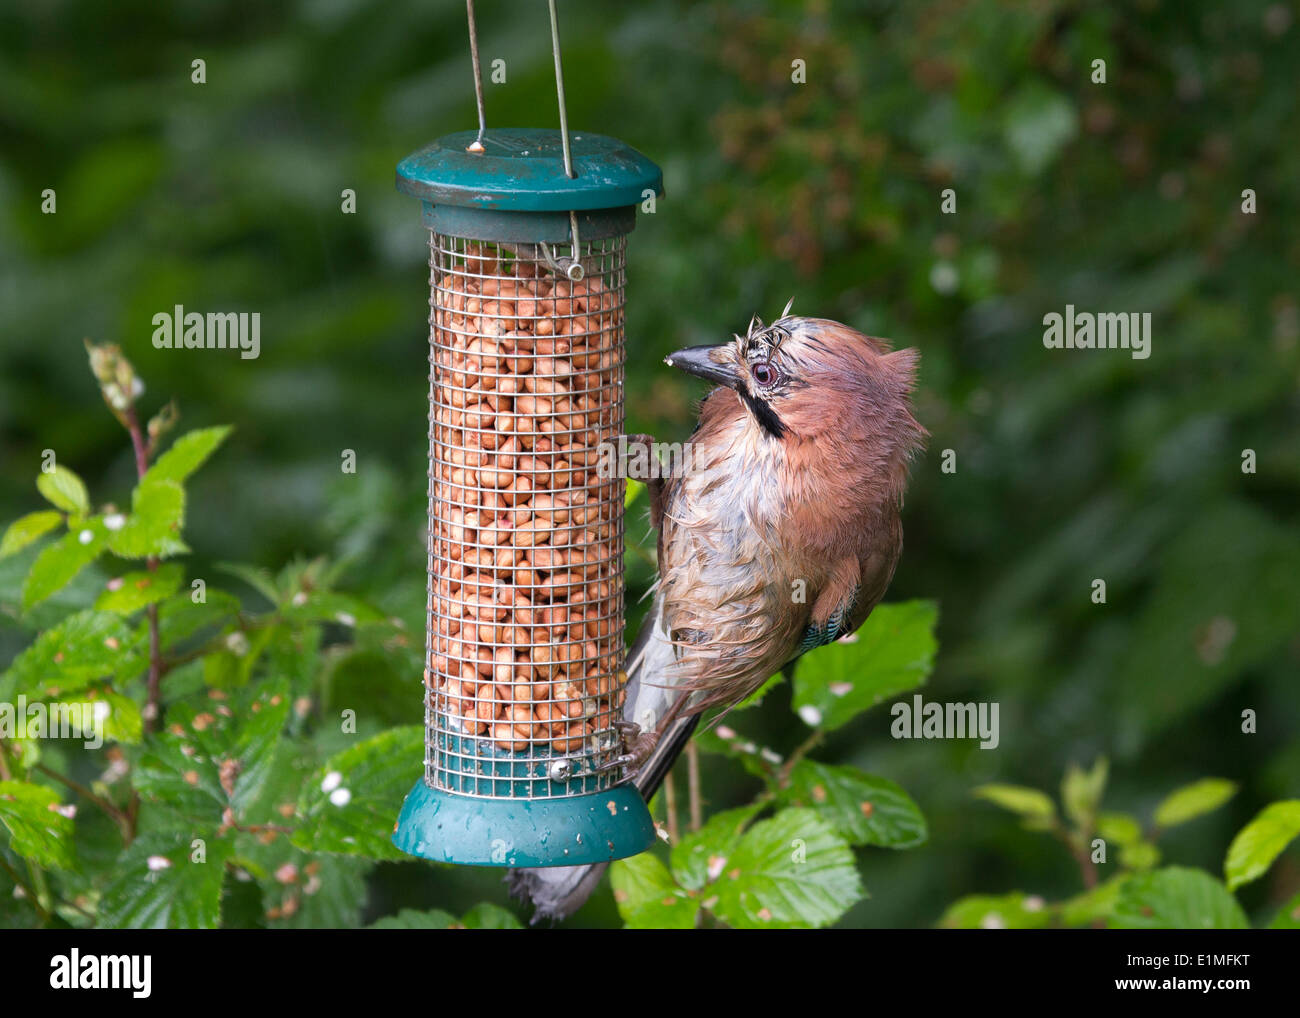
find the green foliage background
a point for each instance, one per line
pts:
(1071, 465)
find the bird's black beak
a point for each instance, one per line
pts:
(713, 363)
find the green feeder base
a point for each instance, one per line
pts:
(561, 831)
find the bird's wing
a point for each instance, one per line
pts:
(855, 587)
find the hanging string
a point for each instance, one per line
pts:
(477, 146)
(559, 92)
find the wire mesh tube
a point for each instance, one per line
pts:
(525, 614)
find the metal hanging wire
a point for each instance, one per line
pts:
(571, 266)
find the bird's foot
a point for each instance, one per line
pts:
(637, 747)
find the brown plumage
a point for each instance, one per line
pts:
(781, 536)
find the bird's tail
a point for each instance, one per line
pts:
(559, 891)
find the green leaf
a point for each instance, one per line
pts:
(892, 653)
(1035, 807)
(1094, 904)
(647, 896)
(179, 618)
(331, 897)
(256, 577)
(58, 563)
(411, 919)
(634, 489)
(480, 917)
(262, 720)
(1288, 916)
(328, 606)
(490, 917)
(1081, 791)
(26, 529)
(1119, 828)
(1193, 800)
(179, 777)
(155, 885)
(1176, 898)
(186, 455)
(1139, 855)
(70, 656)
(865, 809)
(1013, 911)
(792, 871)
(64, 490)
(36, 830)
(154, 526)
(698, 857)
(129, 593)
(351, 803)
(1261, 841)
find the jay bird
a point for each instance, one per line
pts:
(781, 536)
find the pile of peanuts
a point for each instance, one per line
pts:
(527, 550)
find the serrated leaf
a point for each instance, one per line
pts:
(64, 490)
(130, 592)
(1035, 807)
(892, 653)
(1194, 800)
(70, 656)
(1261, 841)
(1176, 898)
(154, 885)
(187, 454)
(26, 529)
(58, 563)
(647, 896)
(154, 525)
(353, 812)
(865, 809)
(1013, 911)
(36, 831)
(262, 722)
(181, 778)
(792, 871)
(698, 858)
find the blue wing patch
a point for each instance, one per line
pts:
(836, 626)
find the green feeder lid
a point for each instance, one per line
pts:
(522, 170)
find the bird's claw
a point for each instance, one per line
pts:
(617, 762)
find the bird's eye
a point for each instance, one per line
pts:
(764, 374)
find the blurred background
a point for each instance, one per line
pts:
(1071, 465)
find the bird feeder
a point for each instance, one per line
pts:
(524, 673)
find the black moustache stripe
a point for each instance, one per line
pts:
(764, 414)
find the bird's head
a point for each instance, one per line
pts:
(805, 378)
